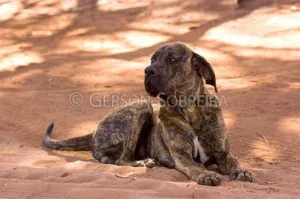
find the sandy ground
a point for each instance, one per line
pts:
(50, 49)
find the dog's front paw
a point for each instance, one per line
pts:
(209, 178)
(241, 175)
(120, 162)
(149, 163)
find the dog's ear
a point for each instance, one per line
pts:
(204, 70)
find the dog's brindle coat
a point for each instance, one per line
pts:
(175, 134)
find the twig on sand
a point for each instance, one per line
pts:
(266, 141)
(124, 175)
(194, 193)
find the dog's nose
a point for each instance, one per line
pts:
(150, 71)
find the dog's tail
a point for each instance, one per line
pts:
(81, 143)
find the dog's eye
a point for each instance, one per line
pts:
(172, 59)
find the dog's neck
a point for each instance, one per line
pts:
(189, 106)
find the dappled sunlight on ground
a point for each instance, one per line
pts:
(160, 27)
(290, 125)
(124, 41)
(106, 5)
(113, 69)
(103, 47)
(294, 86)
(8, 9)
(268, 32)
(141, 39)
(264, 152)
(20, 59)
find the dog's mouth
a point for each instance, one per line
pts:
(153, 92)
(150, 88)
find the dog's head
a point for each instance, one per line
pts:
(176, 69)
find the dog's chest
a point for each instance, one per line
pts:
(198, 151)
(192, 116)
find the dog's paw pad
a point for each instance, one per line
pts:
(241, 175)
(209, 179)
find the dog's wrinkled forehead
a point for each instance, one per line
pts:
(174, 49)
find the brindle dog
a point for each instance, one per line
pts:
(186, 131)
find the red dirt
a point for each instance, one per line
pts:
(50, 50)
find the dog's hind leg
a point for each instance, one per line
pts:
(136, 139)
(107, 156)
(119, 136)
